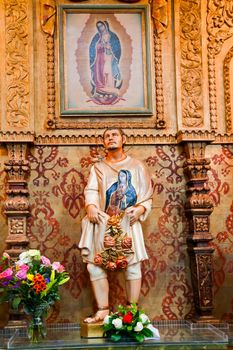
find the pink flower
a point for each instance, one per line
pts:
(21, 274)
(45, 261)
(6, 274)
(58, 267)
(24, 267)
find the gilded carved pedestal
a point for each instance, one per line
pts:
(198, 209)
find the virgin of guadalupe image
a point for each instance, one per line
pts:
(104, 56)
(121, 194)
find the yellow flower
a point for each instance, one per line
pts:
(30, 276)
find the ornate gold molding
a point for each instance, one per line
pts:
(17, 64)
(159, 13)
(138, 137)
(219, 28)
(227, 89)
(191, 64)
(16, 136)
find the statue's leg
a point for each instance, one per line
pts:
(133, 278)
(133, 288)
(100, 287)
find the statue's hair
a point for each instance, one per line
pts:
(112, 128)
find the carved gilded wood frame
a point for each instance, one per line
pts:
(151, 116)
(105, 61)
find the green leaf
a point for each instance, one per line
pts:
(147, 332)
(64, 281)
(139, 337)
(15, 302)
(52, 276)
(115, 337)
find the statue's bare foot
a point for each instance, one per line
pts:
(99, 316)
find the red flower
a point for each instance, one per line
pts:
(121, 262)
(126, 243)
(109, 241)
(128, 318)
(98, 259)
(111, 265)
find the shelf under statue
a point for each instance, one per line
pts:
(118, 197)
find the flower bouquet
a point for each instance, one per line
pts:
(31, 283)
(117, 246)
(129, 322)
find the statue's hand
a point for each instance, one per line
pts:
(94, 214)
(134, 213)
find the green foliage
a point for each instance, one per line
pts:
(128, 322)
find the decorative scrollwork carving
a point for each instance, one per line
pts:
(159, 13)
(17, 64)
(47, 15)
(191, 63)
(227, 89)
(219, 28)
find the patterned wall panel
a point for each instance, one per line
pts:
(221, 225)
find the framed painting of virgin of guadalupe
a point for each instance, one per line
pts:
(104, 56)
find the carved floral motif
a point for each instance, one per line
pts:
(191, 63)
(227, 89)
(17, 64)
(219, 28)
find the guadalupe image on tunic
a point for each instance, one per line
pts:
(121, 194)
(104, 57)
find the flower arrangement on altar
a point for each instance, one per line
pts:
(129, 322)
(31, 283)
(117, 246)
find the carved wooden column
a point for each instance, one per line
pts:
(16, 207)
(198, 209)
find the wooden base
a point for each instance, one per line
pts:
(92, 330)
(206, 319)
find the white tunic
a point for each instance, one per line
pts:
(103, 188)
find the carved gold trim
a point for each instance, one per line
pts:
(147, 138)
(17, 64)
(139, 137)
(160, 117)
(14, 136)
(227, 89)
(191, 64)
(219, 28)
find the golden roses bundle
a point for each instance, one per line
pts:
(117, 246)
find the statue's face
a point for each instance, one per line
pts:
(113, 139)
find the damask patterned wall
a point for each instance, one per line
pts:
(58, 177)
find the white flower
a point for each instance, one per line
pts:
(24, 258)
(117, 322)
(154, 331)
(144, 318)
(106, 319)
(139, 327)
(34, 253)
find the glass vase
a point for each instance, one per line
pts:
(36, 329)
